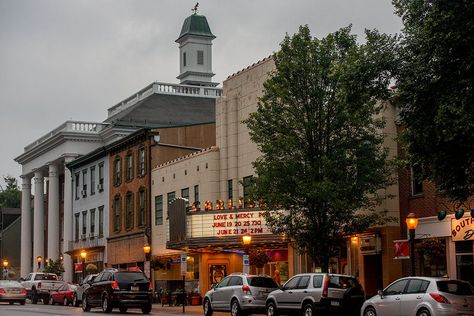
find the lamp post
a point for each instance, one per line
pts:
(39, 259)
(246, 240)
(5, 269)
(412, 222)
(83, 257)
(146, 266)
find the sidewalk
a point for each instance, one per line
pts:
(189, 310)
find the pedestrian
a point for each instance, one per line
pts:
(276, 276)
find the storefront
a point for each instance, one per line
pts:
(446, 247)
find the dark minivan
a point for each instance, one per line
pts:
(122, 289)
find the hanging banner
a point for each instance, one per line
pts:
(462, 229)
(402, 249)
(77, 267)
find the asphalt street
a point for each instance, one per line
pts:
(41, 310)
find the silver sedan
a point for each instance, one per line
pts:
(422, 296)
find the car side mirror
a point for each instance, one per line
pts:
(380, 293)
(213, 286)
(281, 287)
(21, 279)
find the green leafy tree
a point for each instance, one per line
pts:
(319, 134)
(435, 91)
(10, 195)
(54, 266)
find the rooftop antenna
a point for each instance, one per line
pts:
(195, 9)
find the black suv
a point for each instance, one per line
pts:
(122, 289)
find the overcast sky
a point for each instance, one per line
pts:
(62, 60)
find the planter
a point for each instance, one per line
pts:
(196, 300)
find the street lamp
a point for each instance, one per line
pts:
(146, 250)
(39, 259)
(246, 240)
(412, 222)
(83, 256)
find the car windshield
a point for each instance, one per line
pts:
(130, 277)
(455, 287)
(261, 282)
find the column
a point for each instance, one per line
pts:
(38, 218)
(53, 212)
(26, 241)
(68, 260)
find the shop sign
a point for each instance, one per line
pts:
(370, 245)
(228, 224)
(78, 267)
(183, 263)
(402, 249)
(462, 229)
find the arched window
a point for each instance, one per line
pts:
(129, 210)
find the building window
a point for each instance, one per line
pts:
(101, 221)
(117, 171)
(76, 186)
(84, 183)
(92, 180)
(84, 224)
(247, 182)
(159, 210)
(117, 214)
(200, 57)
(141, 207)
(141, 162)
(184, 59)
(416, 181)
(229, 190)
(185, 195)
(465, 260)
(129, 164)
(101, 177)
(92, 222)
(129, 210)
(196, 194)
(76, 226)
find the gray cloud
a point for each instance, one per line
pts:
(64, 60)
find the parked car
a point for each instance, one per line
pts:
(240, 294)
(12, 292)
(77, 297)
(310, 293)
(422, 296)
(63, 295)
(38, 285)
(122, 289)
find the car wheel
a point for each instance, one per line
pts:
(47, 299)
(235, 308)
(370, 311)
(106, 306)
(146, 309)
(423, 312)
(207, 307)
(22, 302)
(65, 301)
(34, 297)
(271, 309)
(85, 304)
(308, 309)
(123, 309)
(75, 302)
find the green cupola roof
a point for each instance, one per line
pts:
(196, 25)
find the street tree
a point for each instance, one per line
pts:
(318, 129)
(435, 91)
(10, 195)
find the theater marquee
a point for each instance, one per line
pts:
(227, 224)
(462, 229)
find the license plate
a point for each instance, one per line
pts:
(135, 288)
(14, 292)
(334, 303)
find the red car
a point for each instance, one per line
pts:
(63, 295)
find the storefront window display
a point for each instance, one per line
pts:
(167, 274)
(465, 260)
(432, 257)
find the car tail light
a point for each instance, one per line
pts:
(246, 290)
(115, 285)
(23, 292)
(39, 285)
(325, 287)
(150, 287)
(439, 298)
(2, 291)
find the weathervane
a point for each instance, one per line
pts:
(195, 9)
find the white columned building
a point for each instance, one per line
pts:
(26, 220)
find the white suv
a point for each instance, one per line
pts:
(240, 294)
(310, 292)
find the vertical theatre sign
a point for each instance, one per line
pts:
(462, 229)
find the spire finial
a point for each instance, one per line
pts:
(195, 9)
